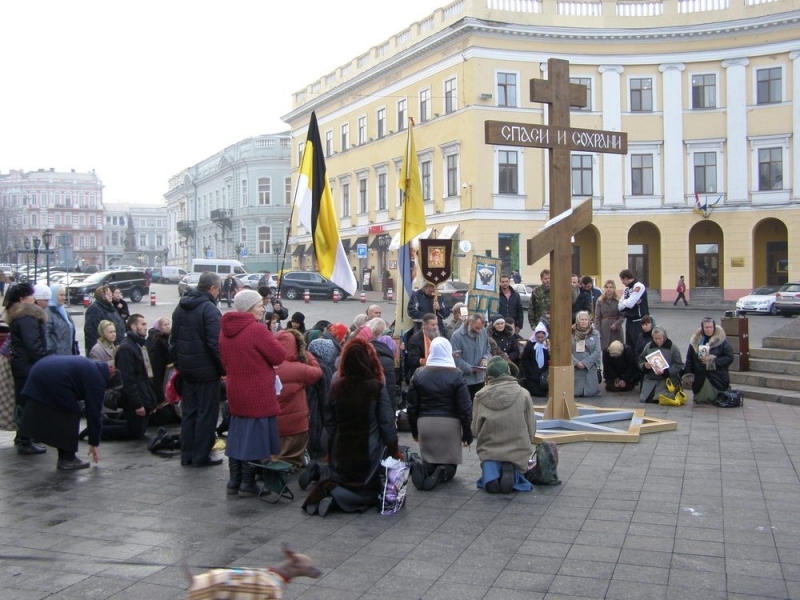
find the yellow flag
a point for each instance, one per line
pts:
(413, 221)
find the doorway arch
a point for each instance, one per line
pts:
(586, 252)
(644, 254)
(706, 256)
(770, 253)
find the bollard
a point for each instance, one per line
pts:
(306, 297)
(363, 298)
(85, 301)
(152, 298)
(278, 294)
(390, 295)
(335, 296)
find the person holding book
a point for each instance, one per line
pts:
(660, 360)
(707, 360)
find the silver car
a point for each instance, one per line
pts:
(188, 282)
(760, 300)
(787, 300)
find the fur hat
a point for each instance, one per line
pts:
(497, 367)
(245, 300)
(616, 348)
(299, 318)
(42, 292)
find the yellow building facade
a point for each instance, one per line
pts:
(708, 92)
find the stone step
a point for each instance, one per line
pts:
(785, 343)
(767, 380)
(772, 365)
(756, 393)
(775, 354)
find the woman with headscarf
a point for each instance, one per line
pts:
(101, 309)
(28, 344)
(440, 416)
(504, 426)
(60, 326)
(105, 350)
(502, 332)
(317, 396)
(620, 367)
(707, 361)
(585, 356)
(298, 370)
(456, 320)
(361, 428)
(249, 354)
(654, 380)
(535, 362)
(607, 319)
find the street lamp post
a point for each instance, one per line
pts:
(206, 251)
(47, 238)
(276, 250)
(36, 243)
(27, 244)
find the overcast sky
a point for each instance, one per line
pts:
(140, 90)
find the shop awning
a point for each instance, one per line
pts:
(448, 231)
(299, 250)
(346, 243)
(310, 250)
(395, 245)
(361, 240)
(375, 244)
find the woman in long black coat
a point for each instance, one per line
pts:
(361, 429)
(709, 370)
(101, 309)
(158, 349)
(534, 362)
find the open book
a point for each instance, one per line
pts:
(657, 361)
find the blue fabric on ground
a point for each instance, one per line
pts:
(492, 469)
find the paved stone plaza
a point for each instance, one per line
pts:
(707, 511)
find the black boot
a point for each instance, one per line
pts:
(418, 473)
(235, 470)
(507, 478)
(310, 474)
(157, 443)
(434, 479)
(248, 488)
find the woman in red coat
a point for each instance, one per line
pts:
(249, 353)
(298, 371)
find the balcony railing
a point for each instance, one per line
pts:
(185, 228)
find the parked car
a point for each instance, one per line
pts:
(251, 280)
(453, 291)
(760, 300)
(294, 283)
(169, 274)
(89, 269)
(188, 282)
(787, 299)
(131, 284)
(524, 290)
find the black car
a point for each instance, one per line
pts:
(453, 291)
(130, 282)
(293, 285)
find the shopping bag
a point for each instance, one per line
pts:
(395, 485)
(675, 395)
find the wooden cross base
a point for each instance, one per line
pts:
(586, 426)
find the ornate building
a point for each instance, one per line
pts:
(135, 234)
(708, 93)
(70, 205)
(234, 204)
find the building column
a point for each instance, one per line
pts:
(794, 56)
(736, 163)
(613, 176)
(672, 101)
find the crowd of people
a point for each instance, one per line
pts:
(322, 399)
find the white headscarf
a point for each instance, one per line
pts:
(440, 354)
(538, 347)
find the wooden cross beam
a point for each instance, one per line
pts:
(560, 140)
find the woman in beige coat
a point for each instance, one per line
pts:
(504, 426)
(607, 319)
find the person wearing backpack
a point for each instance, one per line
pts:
(504, 427)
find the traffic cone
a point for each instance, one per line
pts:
(85, 301)
(363, 297)
(390, 295)
(152, 298)
(335, 296)
(306, 297)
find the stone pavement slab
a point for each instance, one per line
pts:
(707, 511)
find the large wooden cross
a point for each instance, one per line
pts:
(555, 237)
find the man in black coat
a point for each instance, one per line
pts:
(194, 350)
(423, 302)
(510, 302)
(138, 395)
(417, 346)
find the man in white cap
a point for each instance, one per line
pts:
(42, 295)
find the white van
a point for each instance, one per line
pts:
(220, 266)
(171, 274)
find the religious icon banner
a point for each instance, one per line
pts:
(436, 260)
(484, 285)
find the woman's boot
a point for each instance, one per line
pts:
(235, 470)
(248, 489)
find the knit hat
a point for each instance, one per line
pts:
(497, 367)
(42, 292)
(616, 348)
(245, 300)
(497, 318)
(299, 318)
(339, 331)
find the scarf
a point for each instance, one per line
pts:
(582, 333)
(441, 354)
(539, 347)
(60, 308)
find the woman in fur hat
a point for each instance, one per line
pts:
(707, 361)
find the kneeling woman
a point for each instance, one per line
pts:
(440, 416)
(361, 428)
(655, 373)
(504, 426)
(708, 366)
